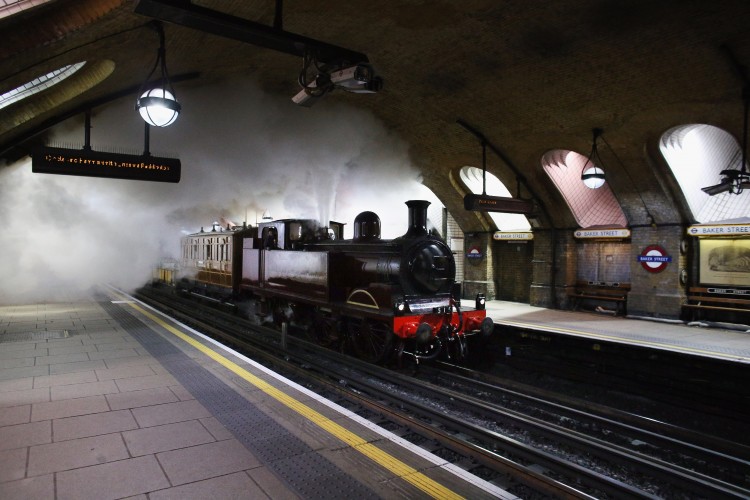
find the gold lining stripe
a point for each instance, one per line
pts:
(374, 304)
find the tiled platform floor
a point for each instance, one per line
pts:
(87, 413)
(92, 415)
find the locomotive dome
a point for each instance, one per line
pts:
(367, 227)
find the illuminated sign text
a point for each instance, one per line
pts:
(89, 163)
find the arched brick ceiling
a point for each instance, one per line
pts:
(532, 76)
(51, 22)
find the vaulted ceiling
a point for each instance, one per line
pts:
(529, 76)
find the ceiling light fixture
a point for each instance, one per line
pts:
(593, 177)
(157, 103)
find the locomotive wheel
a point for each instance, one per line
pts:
(459, 350)
(324, 331)
(372, 341)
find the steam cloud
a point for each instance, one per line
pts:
(242, 152)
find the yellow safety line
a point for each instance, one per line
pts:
(379, 456)
(580, 333)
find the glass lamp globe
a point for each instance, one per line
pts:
(593, 177)
(158, 107)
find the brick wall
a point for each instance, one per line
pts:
(455, 239)
(658, 295)
(513, 269)
(478, 273)
(603, 261)
(553, 266)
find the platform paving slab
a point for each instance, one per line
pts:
(66, 455)
(40, 487)
(13, 415)
(237, 485)
(215, 459)
(23, 435)
(95, 424)
(68, 408)
(112, 480)
(66, 379)
(166, 437)
(137, 399)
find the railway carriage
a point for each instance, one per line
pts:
(211, 261)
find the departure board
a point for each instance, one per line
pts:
(88, 163)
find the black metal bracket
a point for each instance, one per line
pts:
(186, 14)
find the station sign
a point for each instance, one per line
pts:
(728, 291)
(88, 163)
(484, 203)
(474, 253)
(706, 230)
(602, 233)
(654, 259)
(510, 236)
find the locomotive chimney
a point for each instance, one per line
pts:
(417, 218)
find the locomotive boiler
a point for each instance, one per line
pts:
(376, 297)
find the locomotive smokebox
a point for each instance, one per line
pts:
(417, 218)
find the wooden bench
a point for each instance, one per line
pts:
(730, 300)
(600, 291)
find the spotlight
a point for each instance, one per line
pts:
(732, 181)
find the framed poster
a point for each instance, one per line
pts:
(725, 262)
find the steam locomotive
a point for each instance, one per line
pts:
(378, 297)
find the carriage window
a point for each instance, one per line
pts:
(335, 230)
(295, 231)
(270, 237)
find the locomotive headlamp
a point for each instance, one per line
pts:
(400, 307)
(157, 103)
(480, 302)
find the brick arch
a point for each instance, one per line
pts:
(471, 177)
(590, 207)
(62, 18)
(85, 78)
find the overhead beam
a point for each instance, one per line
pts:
(184, 13)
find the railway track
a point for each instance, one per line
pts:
(530, 443)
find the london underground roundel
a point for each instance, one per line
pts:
(654, 259)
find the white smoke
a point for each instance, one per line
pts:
(243, 152)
